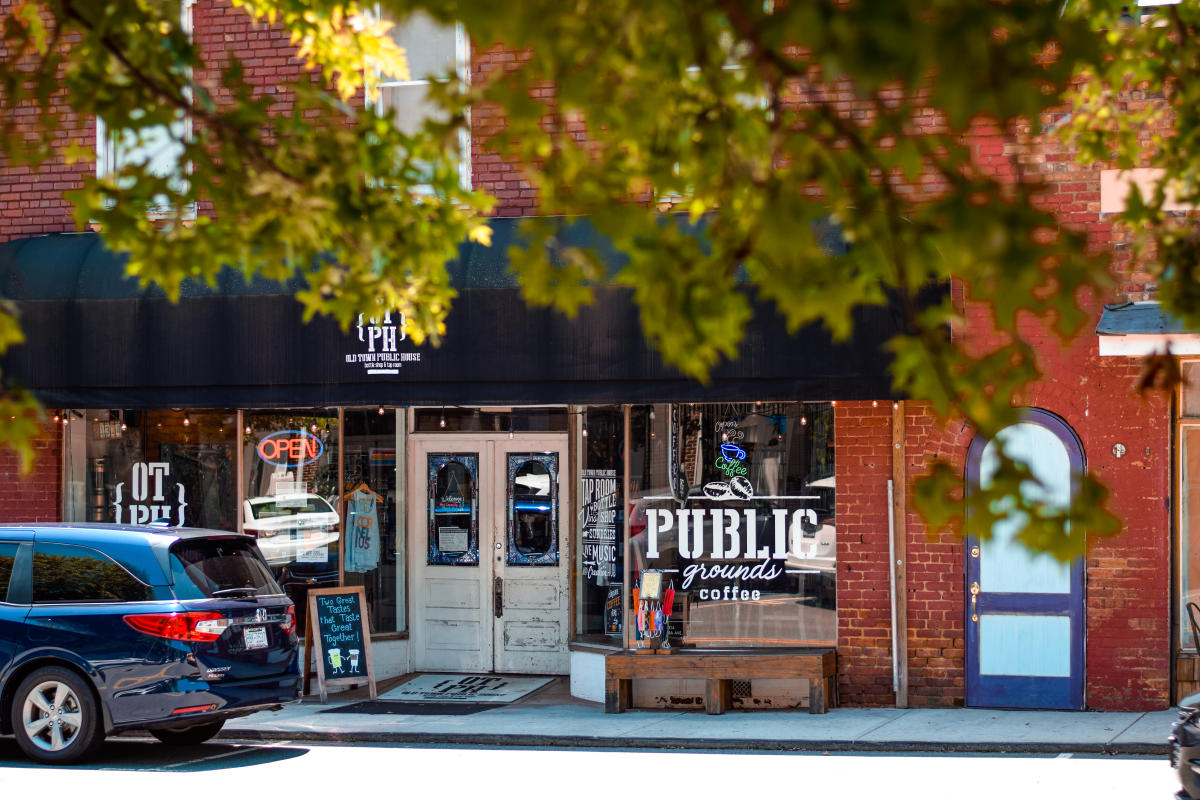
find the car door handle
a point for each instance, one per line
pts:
(498, 596)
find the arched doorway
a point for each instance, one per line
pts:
(1025, 611)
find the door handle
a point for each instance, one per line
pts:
(498, 596)
(974, 601)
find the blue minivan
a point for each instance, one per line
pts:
(107, 628)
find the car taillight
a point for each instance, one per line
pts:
(289, 626)
(183, 626)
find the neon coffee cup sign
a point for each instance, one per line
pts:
(290, 448)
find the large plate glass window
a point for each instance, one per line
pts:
(600, 553)
(374, 547)
(1189, 510)
(733, 512)
(292, 498)
(134, 466)
(453, 509)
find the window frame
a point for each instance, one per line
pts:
(462, 66)
(1183, 423)
(107, 160)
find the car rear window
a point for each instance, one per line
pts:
(286, 507)
(64, 573)
(201, 567)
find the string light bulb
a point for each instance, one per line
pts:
(381, 411)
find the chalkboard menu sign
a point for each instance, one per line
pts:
(338, 637)
(612, 610)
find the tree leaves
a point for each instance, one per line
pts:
(714, 143)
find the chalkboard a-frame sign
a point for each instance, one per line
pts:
(337, 635)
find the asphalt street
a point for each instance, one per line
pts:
(132, 768)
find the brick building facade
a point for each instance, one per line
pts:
(1129, 609)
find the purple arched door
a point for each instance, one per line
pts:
(1025, 611)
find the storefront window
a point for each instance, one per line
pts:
(599, 559)
(137, 466)
(292, 500)
(732, 525)
(374, 545)
(1189, 507)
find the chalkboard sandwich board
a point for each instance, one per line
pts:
(338, 636)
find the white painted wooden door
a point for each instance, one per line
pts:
(530, 594)
(488, 529)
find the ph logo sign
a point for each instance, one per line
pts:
(151, 496)
(379, 344)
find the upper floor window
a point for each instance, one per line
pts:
(435, 52)
(159, 148)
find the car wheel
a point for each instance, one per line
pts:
(194, 734)
(55, 718)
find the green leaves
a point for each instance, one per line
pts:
(824, 153)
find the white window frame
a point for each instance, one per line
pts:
(462, 65)
(106, 144)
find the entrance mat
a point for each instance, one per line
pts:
(404, 707)
(464, 689)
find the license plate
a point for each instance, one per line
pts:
(255, 638)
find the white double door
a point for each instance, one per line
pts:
(489, 534)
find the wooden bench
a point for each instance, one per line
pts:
(718, 668)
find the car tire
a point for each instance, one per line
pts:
(193, 734)
(55, 718)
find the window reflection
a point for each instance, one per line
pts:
(292, 503)
(734, 504)
(453, 514)
(533, 509)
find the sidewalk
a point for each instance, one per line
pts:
(550, 717)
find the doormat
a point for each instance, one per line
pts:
(405, 707)
(464, 689)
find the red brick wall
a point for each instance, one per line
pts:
(515, 196)
(32, 203)
(35, 496)
(863, 465)
(936, 640)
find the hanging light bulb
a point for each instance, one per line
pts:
(124, 427)
(186, 420)
(874, 404)
(804, 420)
(442, 421)
(247, 430)
(56, 417)
(895, 405)
(833, 403)
(585, 429)
(381, 411)
(313, 427)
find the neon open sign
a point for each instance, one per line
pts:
(290, 448)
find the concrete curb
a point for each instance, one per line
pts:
(693, 744)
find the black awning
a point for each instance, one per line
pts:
(94, 339)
